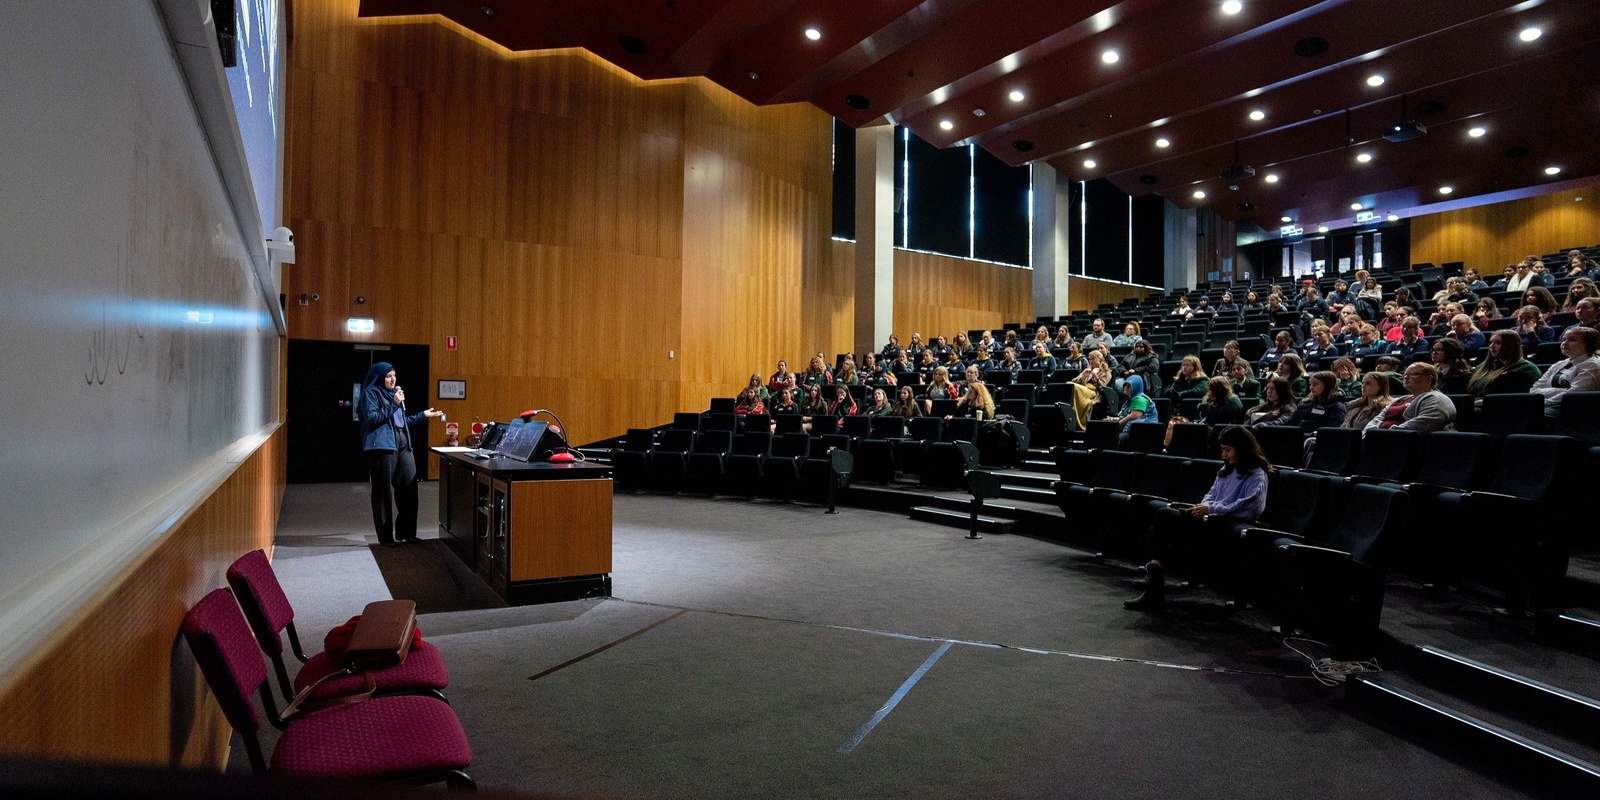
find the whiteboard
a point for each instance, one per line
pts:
(137, 346)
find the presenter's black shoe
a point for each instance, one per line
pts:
(1155, 593)
(390, 543)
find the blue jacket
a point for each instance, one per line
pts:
(379, 413)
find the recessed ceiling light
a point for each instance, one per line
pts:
(1446, 189)
(1272, 177)
(1552, 170)
(1364, 157)
(1199, 195)
(1355, 206)
(1286, 218)
(1017, 96)
(1476, 132)
(1110, 57)
(1163, 143)
(487, 10)
(946, 124)
(1393, 217)
(1375, 80)
(1322, 229)
(1232, 7)
(1529, 34)
(813, 34)
(1258, 115)
(1088, 163)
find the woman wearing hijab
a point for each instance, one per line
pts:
(386, 442)
(1137, 408)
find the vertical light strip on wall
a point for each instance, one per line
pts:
(1130, 238)
(1030, 215)
(1083, 224)
(905, 187)
(972, 201)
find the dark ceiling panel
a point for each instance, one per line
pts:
(1186, 71)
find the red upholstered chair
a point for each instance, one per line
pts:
(269, 613)
(408, 739)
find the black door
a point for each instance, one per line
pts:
(324, 377)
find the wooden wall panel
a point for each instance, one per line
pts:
(1492, 236)
(828, 302)
(938, 295)
(116, 683)
(570, 224)
(1086, 294)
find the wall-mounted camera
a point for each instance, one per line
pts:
(281, 246)
(361, 301)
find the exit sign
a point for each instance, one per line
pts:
(449, 342)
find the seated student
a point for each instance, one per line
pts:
(1425, 409)
(1008, 362)
(847, 374)
(1237, 497)
(1244, 386)
(1542, 276)
(782, 379)
(1128, 337)
(1539, 297)
(1042, 360)
(1371, 292)
(1293, 370)
(814, 403)
(970, 376)
(891, 351)
(749, 402)
(879, 407)
(1282, 346)
(902, 370)
(1475, 283)
(987, 344)
(1340, 297)
(1230, 356)
(761, 388)
(941, 388)
(1311, 306)
(1450, 368)
(1141, 362)
(1253, 303)
(784, 404)
(1457, 292)
(1190, 382)
(1096, 336)
(843, 404)
(1577, 266)
(1521, 275)
(1010, 341)
(1344, 370)
(1321, 408)
(1276, 305)
(1372, 400)
(1062, 338)
(1578, 372)
(816, 374)
(1368, 343)
(1467, 335)
(1438, 323)
(1040, 337)
(1411, 345)
(1074, 360)
(1532, 329)
(1504, 370)
(1202, 307)
(1588, 314)
(1277, 402)
(1580, 289)
(938, 347)
(1182, 309)
(1320, 347)
(1088, 389)
(1220, 406)
(1137, 407)
(1228, 308)
(906, 405)
(975, 403)
(1404, 298)
(1390, 321)
(875, 373)
(1488, 311)
(914, 348)
(963, 348)
(925, 366)
(1345, 330)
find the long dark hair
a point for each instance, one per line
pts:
(1244, 443)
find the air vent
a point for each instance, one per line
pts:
(1149, 180)
(633, 44)
(1311, 47)
(1428, 108)
(856, 101)
(1516, 152)
(1022, 145)
(1247, 206)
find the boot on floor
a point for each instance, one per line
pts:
(1155, 592)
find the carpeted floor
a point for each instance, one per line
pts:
(804, 628)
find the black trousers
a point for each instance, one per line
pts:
(394, 478)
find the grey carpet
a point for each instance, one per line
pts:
(428, 573)
(803, 630)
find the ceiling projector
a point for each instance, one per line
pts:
(1233, 173)
(1404, 131)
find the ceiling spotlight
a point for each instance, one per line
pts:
(1163, 143)
(1232, 7)
(813, 34)
(1088, 163)
(1355, 206)
(1552, 170)
(1286, 218)
(1393, 217)
(487, 10)
(1258, 115)
(1272, 177)
(1446, 189)
(1199, 195)
(1529, 34)
(1476, 132)
(1364, 157)
(1110, 57)
(1017, 95)
(1375, 80)
(1322, 229)
(945, 124)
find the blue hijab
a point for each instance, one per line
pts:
(374, 380)
(1136, 384)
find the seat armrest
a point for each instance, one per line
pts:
(1429, 488)
(1368, 480)
(1145, 498)
(1498, 496)
(1324, 472)
(1313, 552)
(1266, 536)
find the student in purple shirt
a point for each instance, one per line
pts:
(1237, 498)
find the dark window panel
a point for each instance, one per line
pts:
(1000, 230)
(938, 197)
(1106, 231)
(844, 181)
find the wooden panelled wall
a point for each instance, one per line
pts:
(1492, 236)
(1086, 294)
(937, 295)
(116, 683)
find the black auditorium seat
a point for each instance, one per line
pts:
(1336, 452)
(669, 460)
(707, 461)
(1509, 414)
(743, 475)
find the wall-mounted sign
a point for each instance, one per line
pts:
(449, 342)
(452, 390)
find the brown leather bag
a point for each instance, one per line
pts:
(383, 636)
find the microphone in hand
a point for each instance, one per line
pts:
(400, 396)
